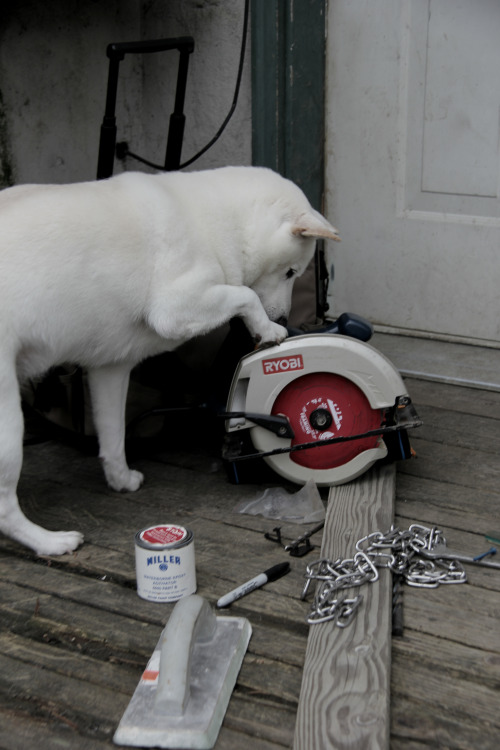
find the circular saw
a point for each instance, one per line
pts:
(320, 406)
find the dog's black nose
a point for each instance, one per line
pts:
(282, 321)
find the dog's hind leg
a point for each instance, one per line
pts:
(108, 390)
(13, 522)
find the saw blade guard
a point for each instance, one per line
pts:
(326, 385)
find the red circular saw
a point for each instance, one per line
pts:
(318, 406)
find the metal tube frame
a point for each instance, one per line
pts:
(116, 53)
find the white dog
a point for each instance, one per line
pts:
(104, 274)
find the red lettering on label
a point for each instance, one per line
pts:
(278, 365)
(163, 535)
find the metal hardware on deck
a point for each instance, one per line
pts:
(299, 547)
(302, 545)
(407, 553)
(342, 610)
(275, 536)
(397, 605)
(442, 551)
(491, 551)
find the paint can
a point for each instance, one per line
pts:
(165, 565)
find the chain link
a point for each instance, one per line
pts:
(396, 549)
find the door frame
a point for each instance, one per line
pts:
(288, 91)
(288, 116)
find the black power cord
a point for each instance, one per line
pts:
(123, 150)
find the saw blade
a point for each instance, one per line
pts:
(321, 406)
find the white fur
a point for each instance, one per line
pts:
(104, 274)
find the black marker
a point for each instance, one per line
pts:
(272, 574)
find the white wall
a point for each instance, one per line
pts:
(53, 77)
(216, 26)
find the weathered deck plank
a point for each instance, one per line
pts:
(344, 701)
(446, 669)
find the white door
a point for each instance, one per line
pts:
(413, 102)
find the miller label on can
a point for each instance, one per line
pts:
(165, 565)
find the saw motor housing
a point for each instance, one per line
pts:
(325, 385)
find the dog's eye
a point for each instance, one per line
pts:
(291, 272)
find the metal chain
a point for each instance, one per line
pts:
(398, 550)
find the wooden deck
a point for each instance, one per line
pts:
(75, 637)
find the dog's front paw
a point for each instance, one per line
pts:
(57, 542)
(133, 481)
(125, 481)
(273, 335)
(119, 477)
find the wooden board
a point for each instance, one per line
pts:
(344, 698)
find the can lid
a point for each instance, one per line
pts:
(164, 535)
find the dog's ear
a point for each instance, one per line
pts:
(314, 225)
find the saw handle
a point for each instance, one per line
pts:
(276, 423)
(192, 620)
(347, 324)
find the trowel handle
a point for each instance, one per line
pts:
(192, 620)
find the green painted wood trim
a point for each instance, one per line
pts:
(288, 82)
